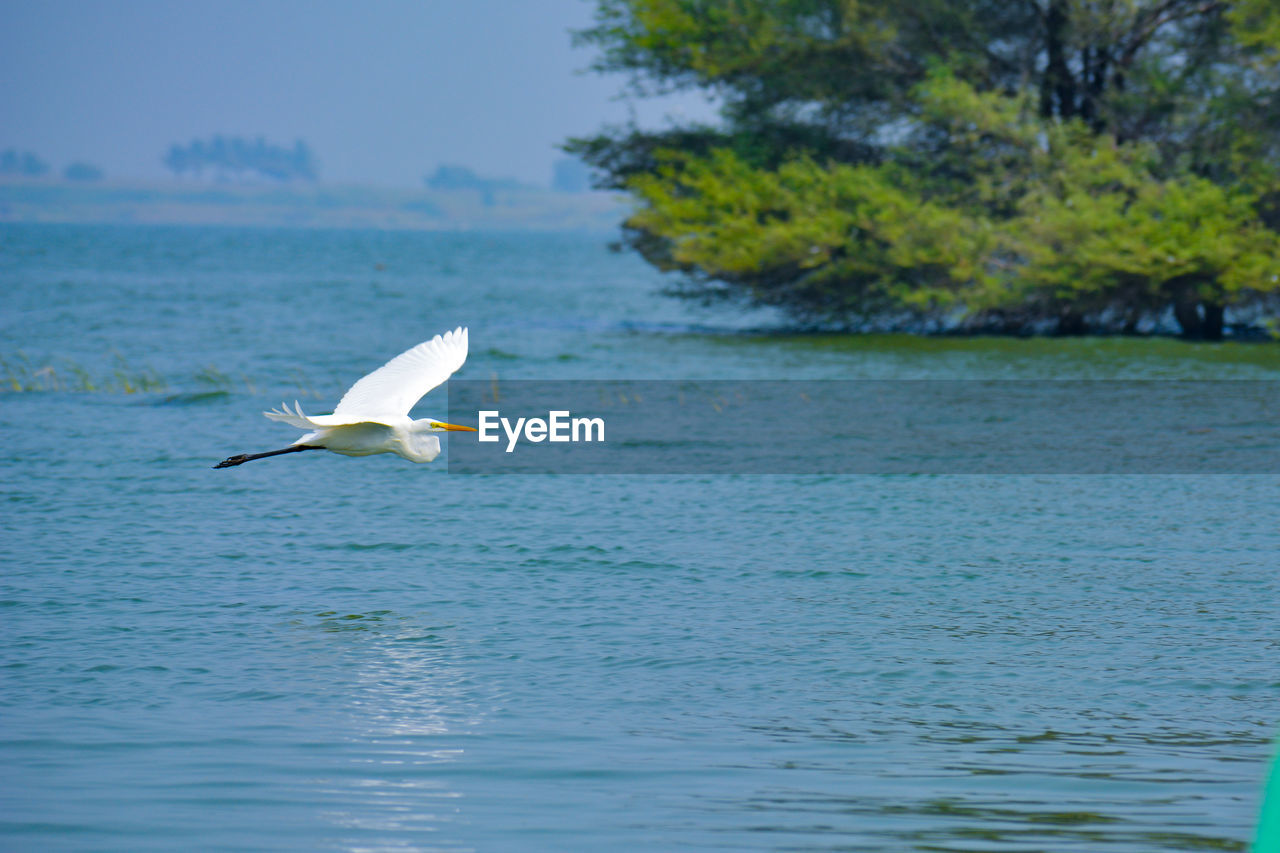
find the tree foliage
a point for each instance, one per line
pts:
(1005, 164)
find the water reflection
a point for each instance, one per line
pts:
(408, 710)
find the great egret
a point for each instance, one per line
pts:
(373, 416)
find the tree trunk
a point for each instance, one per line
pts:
(1212, 328)
(1093, 76)
(1186, 312)
(1131, 318)
(1057, 83)
(1070, 323)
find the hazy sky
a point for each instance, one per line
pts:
(383, 90)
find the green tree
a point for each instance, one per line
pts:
(1011, 164)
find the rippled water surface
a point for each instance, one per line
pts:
(322, 653)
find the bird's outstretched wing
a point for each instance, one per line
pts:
(295, 417)
(392, 390)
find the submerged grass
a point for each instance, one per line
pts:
(19, 374)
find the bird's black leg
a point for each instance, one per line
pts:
(249, 457)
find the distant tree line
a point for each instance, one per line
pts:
(453, 177)
(25, 163)
(237, 157)
(30, 165)
(1002, 165)
(82, 172)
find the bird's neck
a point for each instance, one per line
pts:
(422, 445)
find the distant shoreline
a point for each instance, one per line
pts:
(304, 205)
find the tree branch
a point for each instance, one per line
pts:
(1165, 13)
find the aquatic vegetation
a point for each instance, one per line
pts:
(20, 373)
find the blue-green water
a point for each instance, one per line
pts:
(322, 653)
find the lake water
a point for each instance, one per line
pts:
(322, 653)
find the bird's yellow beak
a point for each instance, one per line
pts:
(455, 427)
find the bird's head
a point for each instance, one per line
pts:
(421, 444)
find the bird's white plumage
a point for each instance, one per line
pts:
(392, 389)
(387, 394)
(295, 417)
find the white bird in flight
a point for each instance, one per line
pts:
(373, 416)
